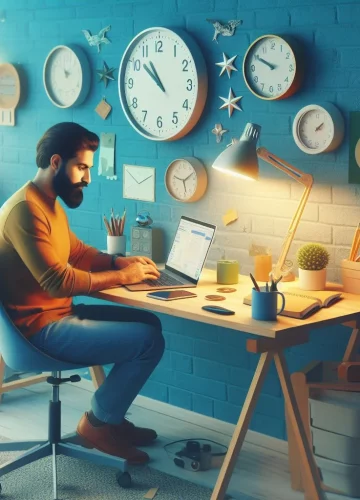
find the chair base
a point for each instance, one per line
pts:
(40, 449)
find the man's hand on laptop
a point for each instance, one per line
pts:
(137, 272)
(122, 262)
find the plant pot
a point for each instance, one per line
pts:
(312, 280)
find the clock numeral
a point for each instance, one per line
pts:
(291, 68)
(145, 51)
(130, 83)
(281, 48)
(286, 79)
(264, 49)
(189, 85)
(158, 46)
(279, 86)
(186, 104)
(174, 50)
(134, 103)
(272, 46)
(175, 118)
(287, 55)
(271, 89)
(262, 86)
(185, 64)
(159, 122)
(252, 67)
(256, 79)
(137, 65)
(145, 113)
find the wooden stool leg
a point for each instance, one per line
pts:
(2, 375)
(311, 483)
(98, 375)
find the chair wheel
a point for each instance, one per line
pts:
(123, 479)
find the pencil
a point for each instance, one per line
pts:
(255, 284)
(355, 244)
(108, 229)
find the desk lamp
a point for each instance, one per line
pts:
(241, 159)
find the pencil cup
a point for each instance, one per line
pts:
(116, 245)
(350, 276)
(264, 305)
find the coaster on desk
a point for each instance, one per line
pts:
(214, 297)
(226, 289)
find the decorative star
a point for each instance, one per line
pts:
(227, 65)
(219, 131)
(233, 141)
(230, 102)
(105, 74)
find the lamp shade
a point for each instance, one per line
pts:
(240, 158)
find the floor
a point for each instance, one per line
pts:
(260, 473)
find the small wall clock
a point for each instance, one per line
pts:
(273, 67)
(66, 76)
(186, 179)
(9, 93)
(318, 129)
(162, 83)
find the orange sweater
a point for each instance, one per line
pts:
(42, 263)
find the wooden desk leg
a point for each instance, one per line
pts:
(241, 427)
(98, 375)
(312, 484)
(353, 345)
(2, 375)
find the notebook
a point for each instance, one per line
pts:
(302, 303)
(186, 259)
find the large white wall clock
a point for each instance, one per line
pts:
(318, 129)
(66, 76)
(162, 83)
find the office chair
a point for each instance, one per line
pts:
(20, 354)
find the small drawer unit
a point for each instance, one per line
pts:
(141, 241)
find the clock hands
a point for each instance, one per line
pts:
(319, 127)
(258, 58)
(154, 75)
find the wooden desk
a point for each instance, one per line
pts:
(272, 339)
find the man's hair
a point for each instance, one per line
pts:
(64, 139)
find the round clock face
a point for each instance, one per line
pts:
(186, 179)
(162, 83)
(64, 79)
(318, 129)
(270, 68)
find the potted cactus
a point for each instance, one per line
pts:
(312, 260)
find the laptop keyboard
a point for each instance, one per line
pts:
(164, 280)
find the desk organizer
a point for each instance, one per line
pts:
(350, 276)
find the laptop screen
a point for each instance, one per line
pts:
(190, 247)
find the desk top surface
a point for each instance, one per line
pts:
(343, 311)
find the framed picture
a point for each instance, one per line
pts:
(354, 148)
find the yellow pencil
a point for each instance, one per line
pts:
(107, 225)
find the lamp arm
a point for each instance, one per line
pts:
(304, 179)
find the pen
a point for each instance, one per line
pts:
(266, 287)
(255, 284)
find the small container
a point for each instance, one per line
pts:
(350, 276)
(227, 272)
(262, 267)
(116, 245)
(310, 279)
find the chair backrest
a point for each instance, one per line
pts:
(20, 354)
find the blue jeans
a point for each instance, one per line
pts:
(99, 335)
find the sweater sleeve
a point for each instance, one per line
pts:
(87, 258)
(27, 229)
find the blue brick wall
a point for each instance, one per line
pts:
(205, 369)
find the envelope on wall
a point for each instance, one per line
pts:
(139, 182)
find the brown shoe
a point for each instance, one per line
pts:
(105, 439)
(138, 436)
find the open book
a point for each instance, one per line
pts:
(302, 303)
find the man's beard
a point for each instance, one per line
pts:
(70, 193)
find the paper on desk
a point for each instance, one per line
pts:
(151, 493)
(229, 216)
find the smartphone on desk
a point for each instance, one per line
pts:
(171, 294)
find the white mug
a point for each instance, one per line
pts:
(116, 245)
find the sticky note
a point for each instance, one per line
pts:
(151, 493)
(230, 216)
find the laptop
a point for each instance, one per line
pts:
(186, 259)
